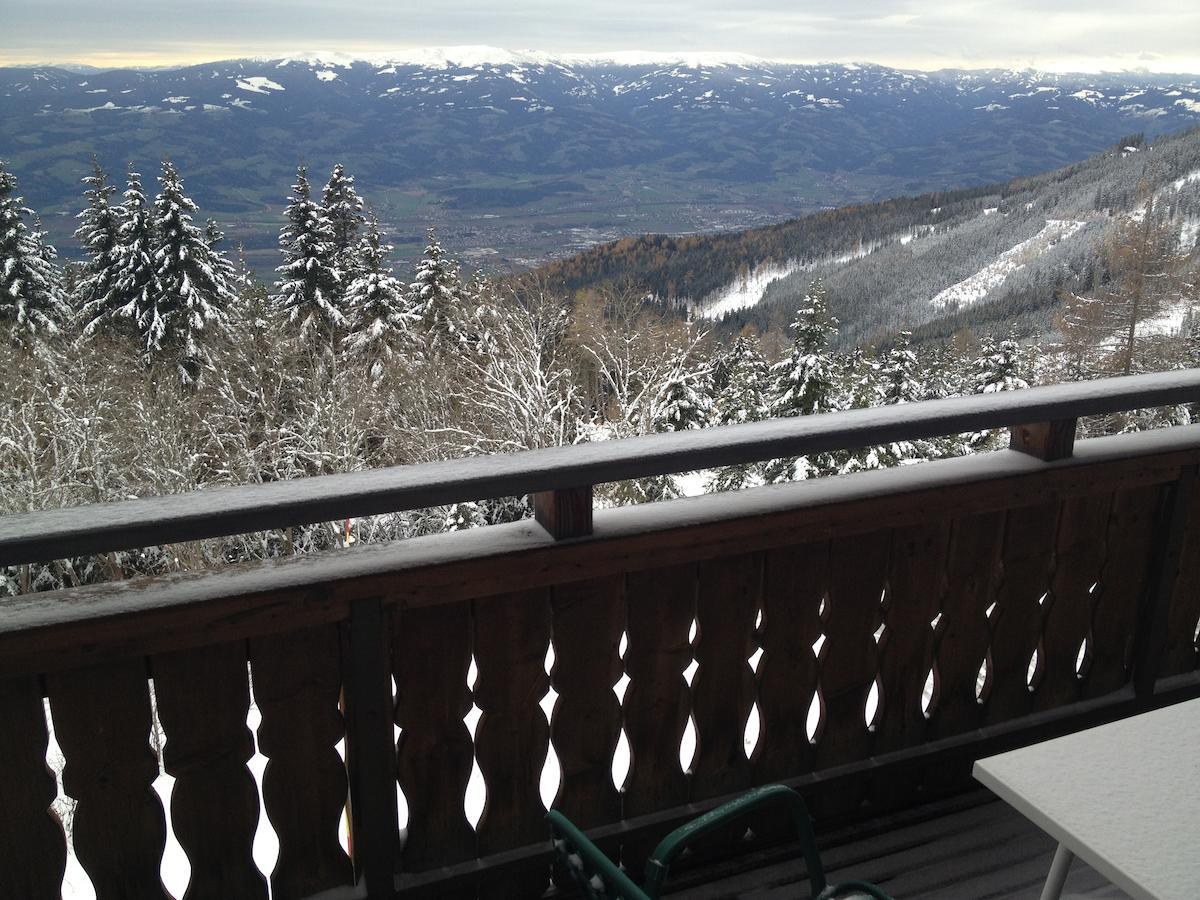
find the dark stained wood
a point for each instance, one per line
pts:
(727, 603)
(565, 513)
(45, 632)
(1048, 441)
(916, 586)
(794, 583)
(203, 696)
(589, 618)
(1133, 520)
(1027, 564)
(661, 604)
(1080, 552)
(35, 848)
(849, 659)
(102, 722)
(370, 750)
(431, 657)
(297, 682)
(54, 534)
(512, 635)
(1182, 653)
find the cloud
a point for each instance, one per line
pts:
(1047, 33)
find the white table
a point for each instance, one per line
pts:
(1124, 797)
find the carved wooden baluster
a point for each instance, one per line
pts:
(1132, 523)
(512, 635)
(661, 604)
(795, 579)
(297, 682)
(849, 659)
(589, 617)
(972, 575)
(1181, 653)
(1028, 562)
(431, 657)
(203, 696)
(102, 722)
(916, 584)
(723, 689)
(34, 853)
(1079, 554)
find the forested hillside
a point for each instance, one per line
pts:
(986, 258)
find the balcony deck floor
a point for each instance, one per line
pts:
(973, 847)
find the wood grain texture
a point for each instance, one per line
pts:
(1182, 653)
(1047, 441)
(916, 586)
(512, 636)
(661, 604)
(203, 696)
(727, 603)
(1132, 525)
(431, 657)
(589, 618)
(34, 847)
(1080, 552)
(849, 659)
(51, 534)
(297, 684)
(1027, 565)
(565, 513)
(102, 722)
(794, 583)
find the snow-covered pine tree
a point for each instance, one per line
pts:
(900, 382)
(344, 208)
(684, 399)
(436, 291)
(310, 287)
(999, 367)
(98, 235)
(805, 382)
(859, 389)
(31, 304)
(134, 280)
(379, 320)
(189, 308)
(744, 399)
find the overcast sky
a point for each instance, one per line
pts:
(1086, 35)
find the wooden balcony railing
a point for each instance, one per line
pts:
(1076, 563)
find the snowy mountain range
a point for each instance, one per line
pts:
(522, 155)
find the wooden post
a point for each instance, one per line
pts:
(564, 513)
(1047, 441)
(375, 831)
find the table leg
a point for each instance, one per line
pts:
(1058, 873)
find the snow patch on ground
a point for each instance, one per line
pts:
(259, 85)
(1189, 105)
(745, 290)
(973, 289)
(325, 75)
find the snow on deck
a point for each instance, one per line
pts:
(973, 289)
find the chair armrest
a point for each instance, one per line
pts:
(593, 860)
(674, 843)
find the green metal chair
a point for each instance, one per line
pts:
(599, 878)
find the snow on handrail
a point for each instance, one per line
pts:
(215, 512)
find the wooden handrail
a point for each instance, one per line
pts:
(76, 531)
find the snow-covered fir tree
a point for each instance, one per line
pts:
(379, 320)
(999, 367)
(344, 208)
(436, 292)
(189, 309)
(310, 285)
(31, 303)
(745, 398)
(684, 399)
(99, 236)
(129, 306)
(805, 382)
(900, 382)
